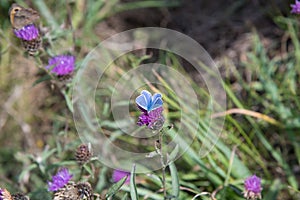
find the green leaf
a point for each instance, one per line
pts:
(68, 101)
(66, 163)
(145, 192)
(115, 187)
(42, 79)
(274, 190)
(173, 154)
(27, 170)
(101, 180)
(133, 191)
(47, 154)
(89, 170)
(125, 197)
(175, 180)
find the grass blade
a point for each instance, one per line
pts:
(133, 191)
(115, 187)
(175, 180)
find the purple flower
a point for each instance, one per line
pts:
(295, 7)
(118, 175)
(28, 32)
(153, 119)
(61, 65)
(59, 180)
(252, 187)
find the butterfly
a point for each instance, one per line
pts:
(20, 19)
(20, 16)
(148, 102)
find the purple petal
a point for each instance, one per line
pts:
(59, 180)
(61, 65)
(118, 175)
(253, 184)
(295, 7)
(153, 119)
(28, 32)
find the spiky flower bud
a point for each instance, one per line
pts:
(83, 154)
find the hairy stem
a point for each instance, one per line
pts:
(160, 141)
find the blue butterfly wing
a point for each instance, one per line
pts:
(144, 100)
(156, 101)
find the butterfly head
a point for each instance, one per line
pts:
(13, 11)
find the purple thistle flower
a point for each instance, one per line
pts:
(1, 194)
(61, 65)
(252, 187)
(295, 7)
(118, 175)
(153, 119)
(59, 180)
(28, 32)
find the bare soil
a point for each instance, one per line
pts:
(222, 28)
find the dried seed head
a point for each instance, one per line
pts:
(32, 46)
(85, 190)
(5, 195)
(68, 192)
(72, 191)
(83, 154)
(19, 196)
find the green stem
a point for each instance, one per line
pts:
(40, 65)
(160, 139)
